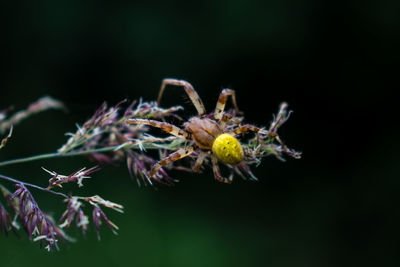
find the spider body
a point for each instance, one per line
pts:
(204, 131)
(207, 134)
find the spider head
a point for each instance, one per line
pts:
(227, 149)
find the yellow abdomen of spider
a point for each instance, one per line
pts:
(227, 149)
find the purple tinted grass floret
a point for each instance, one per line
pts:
(36, 224)
(75, 212)
(98, 216)
(139, 165)
(77, 176)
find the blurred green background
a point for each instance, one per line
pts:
(335, 63)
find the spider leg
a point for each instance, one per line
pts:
(166, 127)
(217, 172)
(199, 161)
(245, 128)
(223, 97)
(180, 153)
(194, 97)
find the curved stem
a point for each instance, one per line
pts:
(32, 185)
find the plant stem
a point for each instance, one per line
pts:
(32, 185)
(55, 155)
(84, 152)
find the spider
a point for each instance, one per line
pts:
(207, 134)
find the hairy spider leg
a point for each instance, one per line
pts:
(245, 128)
(194, 97)
(217, 172)
(199, 161)
(223, 97)
(166, 127)
(180, 153)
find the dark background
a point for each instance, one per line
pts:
(334, 62)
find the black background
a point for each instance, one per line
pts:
(335, 63)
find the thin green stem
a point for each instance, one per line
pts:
(84, 152)
(54, 155)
